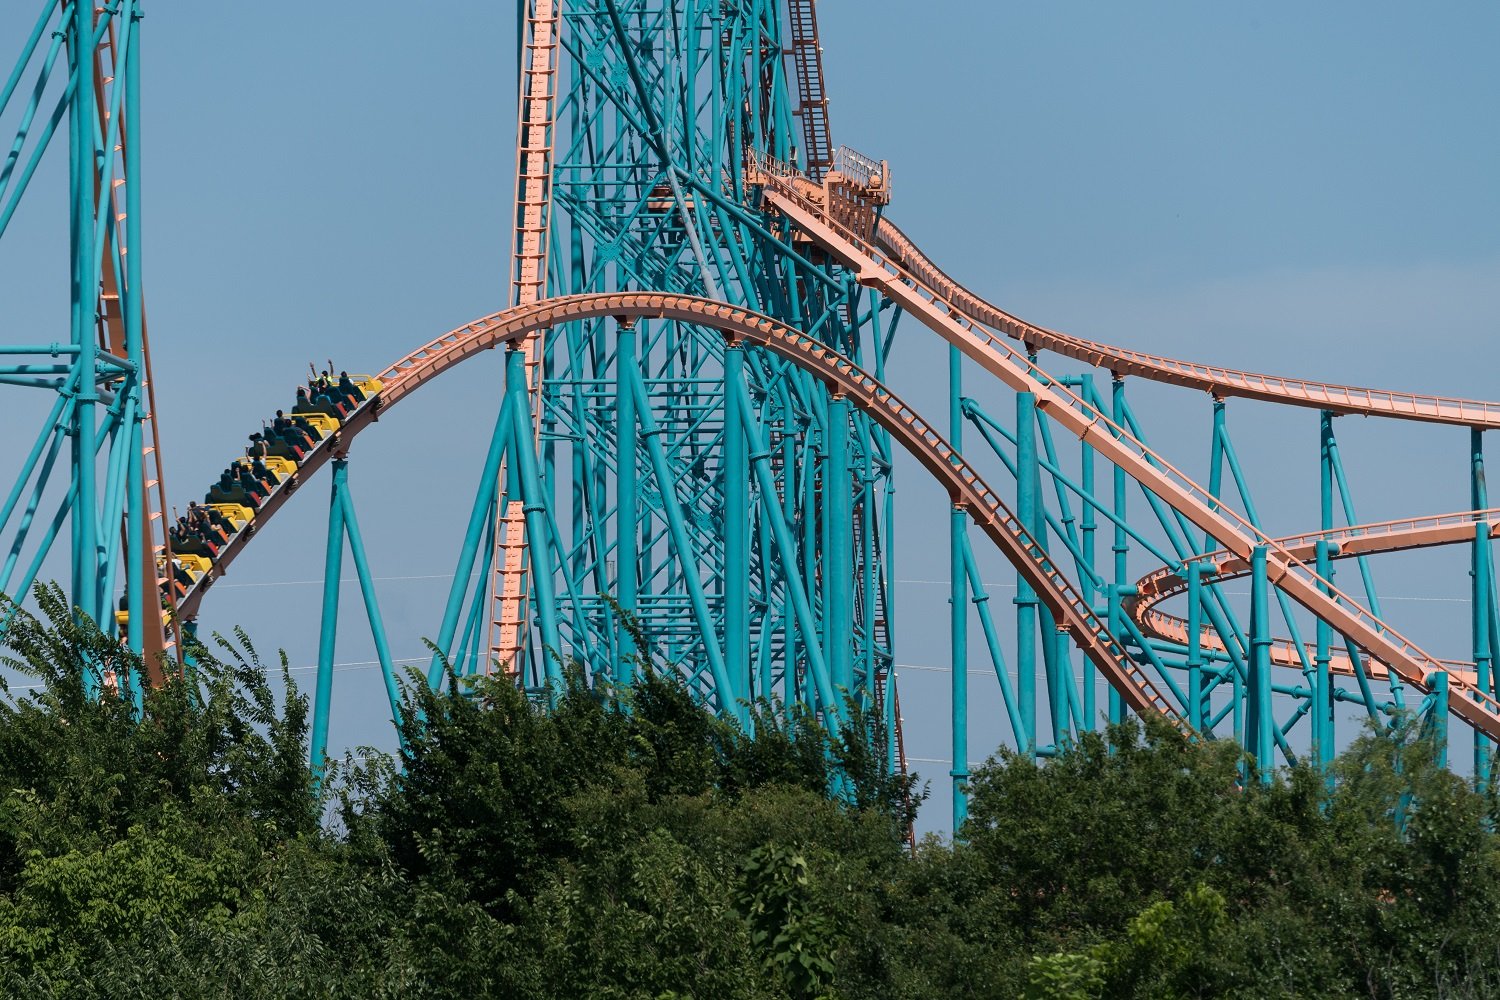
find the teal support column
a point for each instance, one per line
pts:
(333, 566)
(480, 516)
(85, 300)
(958, 612)
(1122, 544)
(534, 503)
(627, 504)
(367, 591)
(839, 562)
(1437, 716)
(1324, 720)
(1480, 598)
(786, 550)
(1086, 582)
(958, 526)
(684, 551)
(736, 533)
(1323, 735)
(1195, 704)
(1261, 718)
(138, 553)
(786, 556)
(1027, 502)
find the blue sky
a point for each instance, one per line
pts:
(1294, 188)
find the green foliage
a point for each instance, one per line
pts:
(645, 849)
(797, 941)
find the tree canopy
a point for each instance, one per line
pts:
(639, 847)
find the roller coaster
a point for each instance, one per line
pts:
(693, 455)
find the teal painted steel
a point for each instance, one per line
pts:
(1481, 598)
(1261, 722)
(739, 512)
(333, 571)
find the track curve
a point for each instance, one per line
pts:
(1346, 399)
(1349, 542)
(878, 269)
(921, 440)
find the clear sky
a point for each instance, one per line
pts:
(1297, 188)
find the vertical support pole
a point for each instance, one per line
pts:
(534, 503)
(1324, 721)
(959, 614)
(480, 516)
(1027, 489)
(839, 563)
(1480, 600)
(958, 620)
(140, 566)
(85, 301)
(1086, 584)
(1121, 546)
(1195, 645)
(1437, 716)
(627, 505)
(345, 500)
(333, 567)
(736, 533)
(1323, 679)
(684, 551)
(1262, 719)
(1216, 489)
(787, 557)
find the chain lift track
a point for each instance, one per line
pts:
(533, 215)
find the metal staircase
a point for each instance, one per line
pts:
(812, 102)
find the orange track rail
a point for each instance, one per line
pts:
(1357, 540)
(879, 270)
(1209, 378)
(964, 485)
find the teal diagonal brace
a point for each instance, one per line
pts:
(682, 545)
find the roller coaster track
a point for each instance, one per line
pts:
(533, 218)
(160, 629)
(966, 488)
(878, 269)
(1221, 382)
(1349, 542)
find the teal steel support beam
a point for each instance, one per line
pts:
(84, 182)
(1437, 715)
(1196, 702)
(627, 503)
(1087, 580)
(139, 586)
(838, 564)
(736, 519)
(1323, 720)
(1480, 600)
(333, 566)
(367, 591)
(958, 600)
(1121, 547)
(1027, 501)
(786, 550)
(1261, 720)
(534, 504)
(684, 550)
(1324, 728)
(481, 513)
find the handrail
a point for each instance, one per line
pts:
(1320, 596)
(1209, 378)
(929, 447)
